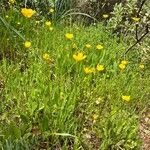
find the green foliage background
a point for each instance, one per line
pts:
(52, 105)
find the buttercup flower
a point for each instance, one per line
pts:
(88, 46)
(48, 23)
(100, 67)
(141, 66)
(122, 66)
(69, 36)
(79, 56)
(27, 44)
(99, 47)
(89, 70)
(28, 13)
(105, 16)
(47, 58)
(126, 98)
(124, 62)
(136, 19)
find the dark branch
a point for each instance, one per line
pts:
(139, 40)
(138, 13)
(136, 32)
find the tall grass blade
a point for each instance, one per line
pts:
(11, 28)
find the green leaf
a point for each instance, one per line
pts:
(24, 118)
(32, 107)
(44, 123)
(13, 131)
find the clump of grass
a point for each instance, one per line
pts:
(55, 102)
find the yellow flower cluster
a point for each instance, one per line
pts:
(141, 66)
(27, 12)
(123, 64)
(99, 46)
(89, 70)
(79, 56)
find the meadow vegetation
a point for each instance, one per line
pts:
(68, 86)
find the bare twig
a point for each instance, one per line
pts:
(138, 15)
(136, 32)
(139, 40)
(143, 2)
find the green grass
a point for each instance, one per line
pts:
(57, 105)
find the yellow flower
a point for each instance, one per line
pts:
(79, 56)
(46, 57)
(100, 67)
(126, 98)
(136, 19)
(69, 36)
(48, 23)
(99, 47)
(122, 66)
(88, 46)
(27, 44)
(141, 66)
(105, 16)
(51, 10)
(28, 13)
(124, 62)
(89, 70)
(11, 1)
(7, 16)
